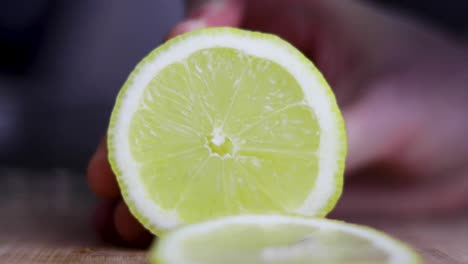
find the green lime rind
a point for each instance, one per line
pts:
(158, 250)
(340, 158)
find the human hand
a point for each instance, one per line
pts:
(403, 91)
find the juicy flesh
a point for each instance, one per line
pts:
(281, 244)
(216, 136)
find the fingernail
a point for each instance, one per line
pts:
(186, 26)
(193, 24)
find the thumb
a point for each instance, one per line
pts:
(210, 13)
(380, 127)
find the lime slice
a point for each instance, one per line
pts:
(222, 122)
(273, 239)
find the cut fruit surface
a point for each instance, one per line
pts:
(223, 121)
(272, 239)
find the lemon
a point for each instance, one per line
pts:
(273, 239)
(220, 122)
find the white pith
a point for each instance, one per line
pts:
(271, 49)
(169, 249)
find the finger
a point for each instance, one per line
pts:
(129, 229)
(103, 219)
(214, 13)
(441, 197)
(101, 179)
(380, 127)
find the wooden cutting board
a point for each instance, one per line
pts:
(45, 218)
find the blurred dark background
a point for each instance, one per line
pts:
(63, 62)
(61, 65)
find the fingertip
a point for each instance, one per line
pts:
(381, 127)
(129, 229)
(357, 155)
(369, 132)
(103, 222)
(101, 179)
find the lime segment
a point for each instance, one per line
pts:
(221, 122)
(272, 239)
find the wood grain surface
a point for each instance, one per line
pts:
(45, 218)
